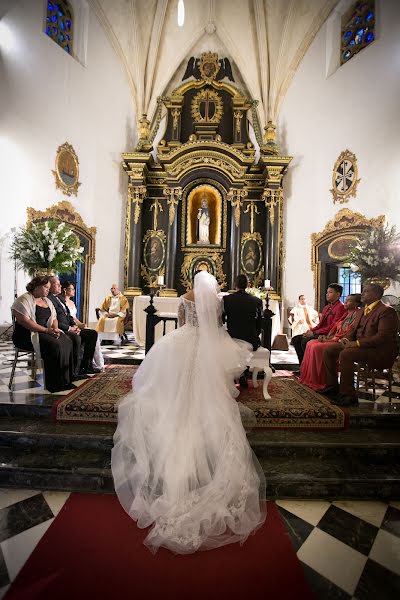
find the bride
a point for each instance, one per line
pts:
(181, 461)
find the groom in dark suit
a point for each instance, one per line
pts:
(79, 337)
(243, 315)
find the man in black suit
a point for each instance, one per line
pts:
(79, 337)
(243, 315)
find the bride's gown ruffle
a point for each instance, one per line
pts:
(181, 461)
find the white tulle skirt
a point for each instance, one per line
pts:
(181, 460)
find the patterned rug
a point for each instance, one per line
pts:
(292, 405)
(96, 400)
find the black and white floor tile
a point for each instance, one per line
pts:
(348, 549)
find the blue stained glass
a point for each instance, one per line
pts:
(346, 54)
(357, 21)
(369, 16)
(48, 19)
(55, 30)
(67, 48)
(60, 14)
(54, 19)
(50, 6)
(68, 24)
(61, 38)
(67, 37)
(62, 26)
(48, 31)
(352, 43)
(369, 37)
(359, 36)
(347, 35)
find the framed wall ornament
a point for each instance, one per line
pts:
(199, 261)
(345, 177)
(66, 171)
(251, 253)
(153, 256)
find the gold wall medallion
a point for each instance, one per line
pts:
(251, 253)
(67, 170)
(345, 177)
(154, 250)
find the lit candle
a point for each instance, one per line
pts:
(161, 280)
(267, 283)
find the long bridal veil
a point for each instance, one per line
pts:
(181, 460)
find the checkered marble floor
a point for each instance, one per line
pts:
(348, 549)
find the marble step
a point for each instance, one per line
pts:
(380, 443)
(286, 477)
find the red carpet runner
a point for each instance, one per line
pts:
(94, 551)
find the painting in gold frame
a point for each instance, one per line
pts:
(213, 198)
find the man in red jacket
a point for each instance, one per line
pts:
(332, 312)
(373, 341)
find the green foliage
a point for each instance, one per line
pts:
(377, 253)
(46, 246)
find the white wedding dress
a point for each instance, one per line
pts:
(181, 461)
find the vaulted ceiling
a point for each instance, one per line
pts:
(265, 41)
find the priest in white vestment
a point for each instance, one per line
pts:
(113, 312)
(303, 317)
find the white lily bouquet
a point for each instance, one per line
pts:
(48, 247)
(377, 254)
(257, 292)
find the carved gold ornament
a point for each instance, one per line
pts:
(156, 207)
(136, 194)
(344, 177)
(173, 196)
(272, 198)
(203, 260)
(209, 66)
(235, 196)
(207, 159)
(67, 170)
(207, 107)
(252, 208)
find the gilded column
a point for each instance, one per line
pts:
(235, 196)
(173, 196)
(273, 199)
(133, 238)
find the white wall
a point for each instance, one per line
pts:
(47, 98)
(355, 108)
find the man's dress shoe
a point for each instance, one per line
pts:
(330, 390)
(243, 382)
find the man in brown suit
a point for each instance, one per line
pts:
(373, 341)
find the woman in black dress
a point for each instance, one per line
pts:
(36, 326)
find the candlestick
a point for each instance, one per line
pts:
(160, 280)
(267, 283)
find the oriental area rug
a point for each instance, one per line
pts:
(292, 405)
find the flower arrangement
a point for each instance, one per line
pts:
(377, 254)
(258, 292)
(47, 246)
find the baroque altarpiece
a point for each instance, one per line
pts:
(206, 202)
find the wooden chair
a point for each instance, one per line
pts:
(368, 376)
(128, 324)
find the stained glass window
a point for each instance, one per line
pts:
(350, 281)
(358, 29)
(59, 23)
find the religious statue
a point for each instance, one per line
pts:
(203, 226)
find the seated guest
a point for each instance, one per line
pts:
(113, 312)
(36, 327)
(303, 317)
(312, 367)
(243, 315)
(67, 293)
(373, 340)
(332, 312)
(79, 337)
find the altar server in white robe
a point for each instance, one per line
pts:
(303, 317)
(113, 312)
